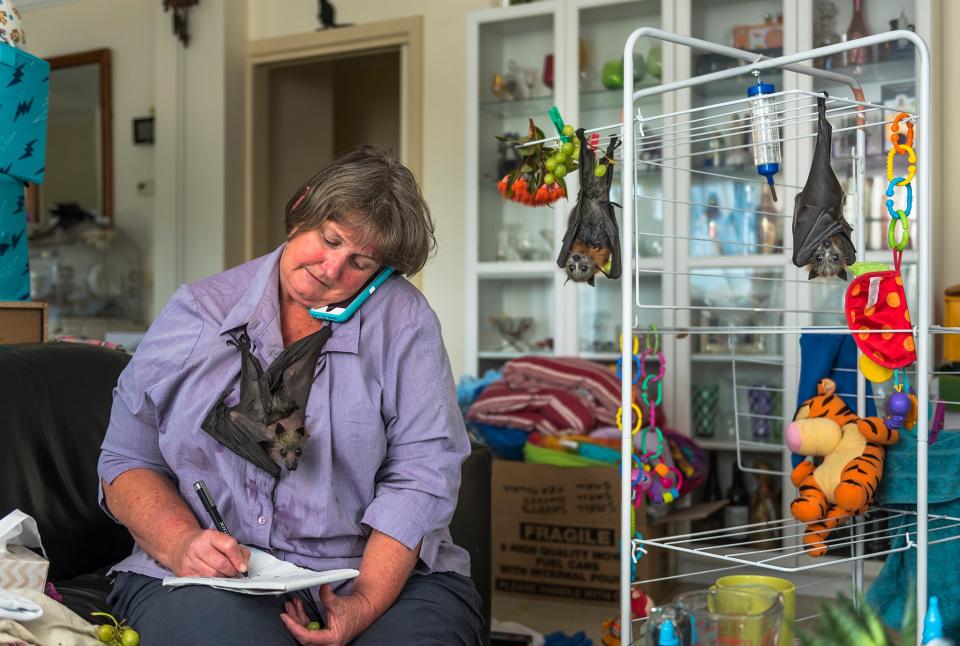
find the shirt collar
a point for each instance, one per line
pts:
(260, 307)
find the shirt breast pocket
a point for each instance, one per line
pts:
(360, 440)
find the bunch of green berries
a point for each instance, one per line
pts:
(563, 159)
(118, 634)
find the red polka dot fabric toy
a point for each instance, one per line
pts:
(876, 301)
(876, 304)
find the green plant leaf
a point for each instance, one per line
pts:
(843, 624)
(908, 625)
(527, 151)
(872, 621)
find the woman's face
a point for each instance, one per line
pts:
(324, 266)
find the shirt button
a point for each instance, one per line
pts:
(261, 520)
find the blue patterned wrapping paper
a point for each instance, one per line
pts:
(24, 89)
(14, 262)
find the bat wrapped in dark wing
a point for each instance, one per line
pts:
(821, 237)
(266, 426)
(592, 238)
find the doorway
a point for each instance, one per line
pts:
(314, 96)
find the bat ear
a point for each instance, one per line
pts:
(591, 282)
(842, 273)
(302, 432)
(280, 430)
(813, 274)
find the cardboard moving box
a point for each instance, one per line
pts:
(556, 533)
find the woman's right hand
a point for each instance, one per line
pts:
(207, 552)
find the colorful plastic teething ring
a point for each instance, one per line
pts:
(895, 132)
(638, 467)
(637, 367)
(643, 394)
(911, 169)
(639, 417)
(677, 479)
(900, 245)
(653, 455)
(889, 193)
(636, 344)
(661, 362)
(655, 347)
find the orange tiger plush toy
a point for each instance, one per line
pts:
(845, 481)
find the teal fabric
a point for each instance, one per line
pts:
(898, 489)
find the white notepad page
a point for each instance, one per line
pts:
(267, 575)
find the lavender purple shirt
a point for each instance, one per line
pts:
(386, 438)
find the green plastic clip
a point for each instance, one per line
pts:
(557, 120)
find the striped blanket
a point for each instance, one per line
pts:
(553, 395)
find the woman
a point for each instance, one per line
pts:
(381, 442)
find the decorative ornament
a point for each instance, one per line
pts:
(539, 179)
(180, 9)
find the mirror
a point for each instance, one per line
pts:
(79, 165)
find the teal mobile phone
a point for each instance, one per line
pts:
(340, 312)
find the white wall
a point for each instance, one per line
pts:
(127, 28)
(444, 102)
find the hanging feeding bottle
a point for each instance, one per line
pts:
(766, 139)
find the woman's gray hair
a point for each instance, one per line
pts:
(375, 195)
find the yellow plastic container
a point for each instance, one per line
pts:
(951, 317)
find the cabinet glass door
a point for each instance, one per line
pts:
(886, 74)
(738, 217)
(601, 31)
(516, 318)
(516, 81)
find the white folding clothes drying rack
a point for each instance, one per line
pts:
(679, 134)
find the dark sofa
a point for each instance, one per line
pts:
(55, 404)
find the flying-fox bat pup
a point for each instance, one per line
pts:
(821, 237)
(592, 239)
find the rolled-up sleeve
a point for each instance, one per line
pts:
(132, 440)
(419, 480)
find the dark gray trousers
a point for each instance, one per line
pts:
(438, 609)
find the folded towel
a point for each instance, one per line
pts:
(549, 410)
(898, 489)
(598, 387)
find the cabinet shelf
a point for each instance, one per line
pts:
(507, 355)
(760, 359)
(731, 445)
(604, 99)
(888, 71)
(535, 107)
(530, 269)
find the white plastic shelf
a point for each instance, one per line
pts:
(745, 545)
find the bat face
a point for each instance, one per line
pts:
(828, 261)
(584, 262)
(286, 447)
(581, 268)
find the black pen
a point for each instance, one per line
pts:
(211, 508)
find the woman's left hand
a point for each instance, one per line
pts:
(347, 617)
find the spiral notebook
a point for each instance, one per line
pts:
(267, 575)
